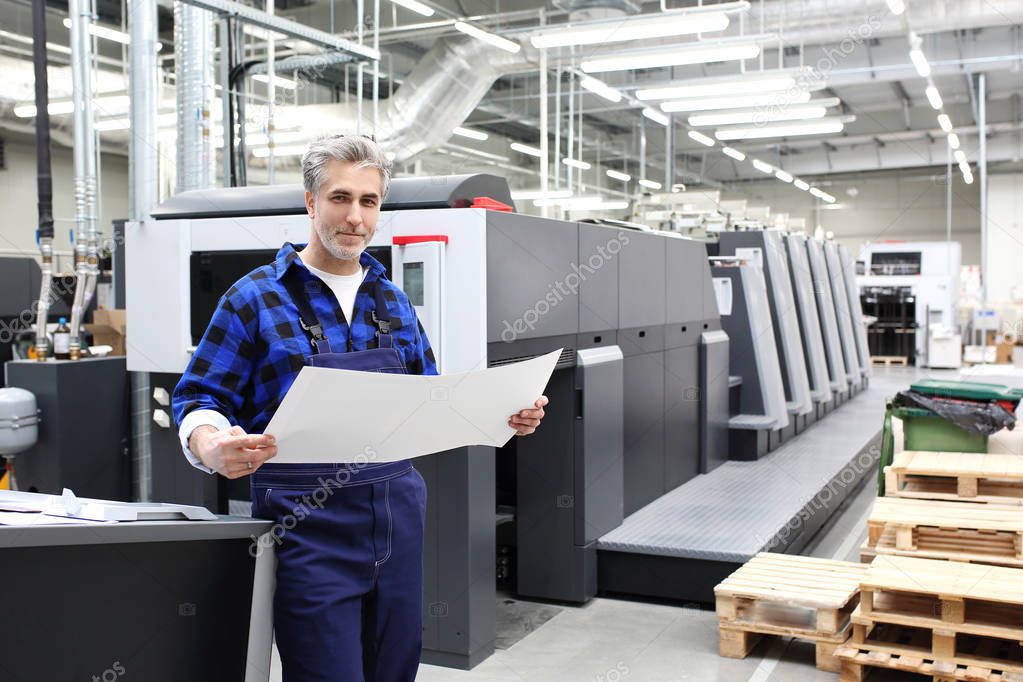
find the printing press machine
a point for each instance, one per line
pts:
(639, 398)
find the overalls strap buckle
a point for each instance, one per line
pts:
(315, 330)
(383, 326)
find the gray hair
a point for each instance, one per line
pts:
(363, 151)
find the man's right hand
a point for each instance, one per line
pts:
(231, 453)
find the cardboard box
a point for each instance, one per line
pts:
(108, 329)
(1003, 353)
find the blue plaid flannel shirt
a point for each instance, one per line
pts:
(254, 346)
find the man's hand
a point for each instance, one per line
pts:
(231, 453)
(525, 422)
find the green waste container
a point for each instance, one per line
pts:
(923, 430)
(968, 390)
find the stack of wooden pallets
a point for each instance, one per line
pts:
(942, 596)
(959, 506)
(948, 620)
(794, 596)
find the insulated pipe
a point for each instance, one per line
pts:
(44, 178)
(271, 95)
(193, 59)
(86, 261)
(445, 87)
(142, 191)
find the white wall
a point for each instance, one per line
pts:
(888, 206)
(1005, 237)
(18, 198)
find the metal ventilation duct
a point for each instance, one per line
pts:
(444, 88)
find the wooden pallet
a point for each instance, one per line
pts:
(793, 596)
(952, 614)
(975, 547)
(1002, 525)
(889, 360)
(956, 476)
(945, 648)
(964, 598)
(857, 663)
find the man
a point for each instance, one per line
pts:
(348, 604)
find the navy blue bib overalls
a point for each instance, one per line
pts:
(348, 604)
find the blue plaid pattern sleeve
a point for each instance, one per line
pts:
(254, 346)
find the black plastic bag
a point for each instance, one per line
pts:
(973, 417)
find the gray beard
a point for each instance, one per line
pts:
(326, 233)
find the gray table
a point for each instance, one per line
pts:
(156, 601)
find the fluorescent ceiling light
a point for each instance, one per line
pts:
(525, 149)
(103, 32)
(104, 104)
(634, 28)
(783, 176)
(650, 184)
(529, 194)
(617, 175)
(165, 120)
(568, 201)
(773, 99)
(821, 194)
(933, 96)
(701, 138)
(470, 133)
(262, 33)
(599, 87)
(112, 124)
(734, 153)
(261, 139)
(656, 116)
(716, 87)
(576, 163)
(916, 56)
(487, 37)
(417, 7)
(965, 168)
(896, 6)
(279, 81)
(819, 127)
(283, 150)
(476, 152)
(801, 184)
(794, 113)
(960, 156)
(953, 141)
(701, 54)
(968, 178)
(945, 122)
(601, 205)
(763, 167)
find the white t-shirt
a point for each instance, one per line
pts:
(345, 287)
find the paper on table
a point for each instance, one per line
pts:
(8, 518)
(342, 416)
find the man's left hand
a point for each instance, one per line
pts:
(526, 421)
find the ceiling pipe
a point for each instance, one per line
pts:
(85, 238)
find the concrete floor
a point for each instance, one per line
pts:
(610, 640)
